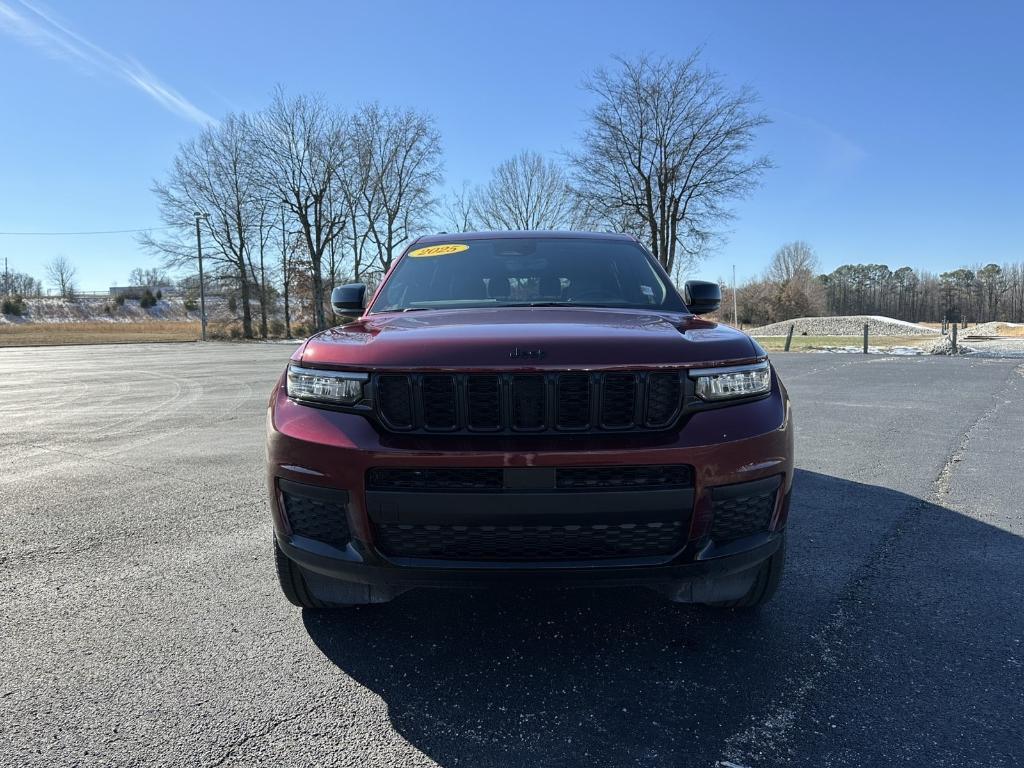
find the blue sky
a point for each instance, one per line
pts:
(898, 129)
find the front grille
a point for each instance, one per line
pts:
(743, 514)
(572, 401)
(394, 395)
(483, 402)
(663, 393)
(435, 479)
(529, 402)
(323, 519)
(439, 402)
(531, 543)
(564, 478)
(618, 400)
(573, 406)
(669, 476)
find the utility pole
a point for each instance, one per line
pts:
(735, 311)
(284, 272)
(7, 279)
(202, 283)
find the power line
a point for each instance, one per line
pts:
(93, 232)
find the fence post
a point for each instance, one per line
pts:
(865, 338)
(789, 337)
(954, 338)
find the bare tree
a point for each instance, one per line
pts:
(212, 175)
(399, 151)
(457, 209)
(303, 147)
(794, 290)
(527, 192)
(149, 277)
(992, 285)
(21, 284)
(361, 201)
(61, 274)
(666, 149)
(264, 215)
(795, 260)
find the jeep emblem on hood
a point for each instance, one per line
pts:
(530, 354)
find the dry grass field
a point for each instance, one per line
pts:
(810, 343)
(1010, 330)
(1015, 331)
(53, 334)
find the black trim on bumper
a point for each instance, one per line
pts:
(528, 507)
(361, 566)
(318, 492)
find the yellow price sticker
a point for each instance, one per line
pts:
(439, 250)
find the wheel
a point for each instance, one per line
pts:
(310, 590)
(768, 578)
(292, 582)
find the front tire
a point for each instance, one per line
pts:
(292, 582)
(312, 591)
(769, 576)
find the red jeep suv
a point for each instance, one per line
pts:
(535, 408)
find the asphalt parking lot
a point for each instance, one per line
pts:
(141, 622)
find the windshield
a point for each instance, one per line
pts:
(503, 272)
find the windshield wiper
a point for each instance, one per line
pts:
(551, 304)
(501, 306)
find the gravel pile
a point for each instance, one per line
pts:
(988, 329)
(944, 346)
(844, 325)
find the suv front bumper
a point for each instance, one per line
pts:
(743, 445)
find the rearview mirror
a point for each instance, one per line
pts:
(702, 297)
(348, 299)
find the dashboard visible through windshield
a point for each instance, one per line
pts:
(503, 272)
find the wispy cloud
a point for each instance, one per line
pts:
(36, 26)
(838, 153)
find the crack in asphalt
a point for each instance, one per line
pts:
(267, 730)
(767, 738)
(772, 733)
(944, 479)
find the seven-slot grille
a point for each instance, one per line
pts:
(529, 402)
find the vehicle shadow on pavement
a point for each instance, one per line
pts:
(620, 676)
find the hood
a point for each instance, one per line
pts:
(526, 338)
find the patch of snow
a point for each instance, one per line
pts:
(1012, 347)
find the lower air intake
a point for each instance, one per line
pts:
(316, 513)
(531, 543)
(743, 509)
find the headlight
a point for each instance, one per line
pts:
(334, 387)
(714, 384)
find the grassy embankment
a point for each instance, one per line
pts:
(52, 334)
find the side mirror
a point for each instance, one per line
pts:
(348, 299)
(701, 297)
